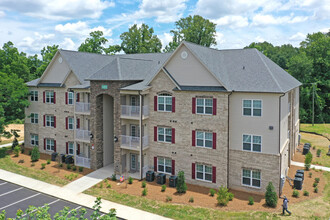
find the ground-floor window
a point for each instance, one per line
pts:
(203, 172)
(164, 165)
(34, 140)
(251, 178)
(70, 148)
(50, 144)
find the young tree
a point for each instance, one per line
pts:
(35, 155)
(271, 195)
(140, 40)
(195, 29)
(308, 160)
(181, 186)
(223, 196)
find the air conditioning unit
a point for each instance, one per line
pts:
(173, 181)
(161, 178)
(150, 176)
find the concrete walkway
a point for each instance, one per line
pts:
(78, 198)
(91, 179)
(9, 144)
(299, 164)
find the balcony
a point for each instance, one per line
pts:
(133, 112)
(133, 143)
(83, 135)
(83, 108)
(83, 161)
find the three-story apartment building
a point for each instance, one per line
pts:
(224, 117)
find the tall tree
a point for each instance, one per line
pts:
(194, 29)
(140, 40)
(47, 54)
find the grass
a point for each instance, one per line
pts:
(9, 165)
(321, 129)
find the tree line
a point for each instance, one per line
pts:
(308, 63)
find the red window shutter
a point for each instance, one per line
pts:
(193, 105)
(66, 98)
(214, 177)
(173, 167)
(44, 95)
(54, 97)
(78, 122)
(78, 97)
(155, 103)
(193, 171)
(54, 145)
(44, 143)
(214, 106)
(78, 149)
(173, 135)
(214, 140)
(44, 120)
(155, 133)
(173, 104)
(54, 121)
(66, 123)
(193, 138)
(67, 148)
(155, 164)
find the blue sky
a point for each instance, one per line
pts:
(33, 24)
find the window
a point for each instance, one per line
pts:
(204, 139)
(165, 135)
(50, 121)
(34, 140)
(204, 172)
(204, 106)
(252, 143)
(164, 165)
(165, 102)
(252, 107)
(251, 178)
(34, 118)
(34, 96)
(50, 144)
(70, 123)
(70, 148)
(50, 97)
(70, 98)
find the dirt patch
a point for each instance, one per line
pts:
(16, 127)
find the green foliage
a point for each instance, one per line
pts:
(22, 150)
(43, 166)
(35, 155)
(33, 164)
(17, 149)
(317, 180)
(223, 196)
(144, 192)
(68, 166)
(295, 193)
(308, 160)
(61, 164)
(212, 192)
(113, 177)
(130, 180)
(15, 141)
(48, 161)
(181, 186)
(143, 184)
(140, 40)
(316, 190)
(3, 152)
(315, 184)
(168, 198)
(195, 29)
(81, 169)
(310, 174)
(271, 195)
(231, 196)
(109, 186)
(74, 168)
(101, 185)
(191, 199)
(163, 188)
(306, 193)
(251, 200)
(21, 161)
(318, 152)
(71, 176)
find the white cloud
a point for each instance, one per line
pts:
(80, 29)
(298, 37)
(319, 8)
(165, 39)
(264, 20)
(325, 30)
(2, 14)
(232, 21)
(259, 39)
(58, 9)
(68, 44)
(219, 37)
(36, 42)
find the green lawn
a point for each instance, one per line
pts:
(7, 164)
(322, 129)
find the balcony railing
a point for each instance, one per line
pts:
(133, 142)
(83, 135)
(133, 111)
(83, 107)
(83, 161)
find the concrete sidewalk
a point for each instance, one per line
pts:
(78, 198)
(299, 164)
(9, 144)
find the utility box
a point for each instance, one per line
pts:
(305, 150)
(297, 183)
(161, 178)
(69, 159)
(150, 176)
(302, 172)
(173, 181)
(62, 157)
(54, 155)
(300, 175)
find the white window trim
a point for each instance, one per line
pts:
(252, 143)
(33, 137)
(204, 107)
(47, 92)
(72, 98)
(251, 186)
(169, 142)
(34, 95)
(252, 107)
(204, 180)
(204, 146)
(34, 118)
(164, 96)
(69, 148)
(50, 119)
(164, 165)
(70, 123)
(50, 145)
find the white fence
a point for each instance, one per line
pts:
(83, 107)
(133, 111)
(83, 134)
(133, 142)
(83, 161)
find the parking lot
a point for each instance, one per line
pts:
(14, 197)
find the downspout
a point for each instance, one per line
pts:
(141, 141)
(228, 140)
(279, 140)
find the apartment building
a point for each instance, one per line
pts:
(224, 117)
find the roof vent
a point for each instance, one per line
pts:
(243, 67)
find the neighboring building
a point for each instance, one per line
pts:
(224, 117)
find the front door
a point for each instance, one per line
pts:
(133, 161)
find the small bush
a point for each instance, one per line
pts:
(168, 198)
(109, 186)
(223, 196)
(318, 152)
(212, 192)
(17, 149)
(105, 180)
(231, 196)
(316, 190)
(33, 164)
(130, 180)
(314, 147)
(308, 160)
(306, 193)
(317, 180)
(191, 199)
(81, 169)
(315, 184)
(163, 188)
(22, 150)
(68, 166)
(113, 177)
(144, 192)
(101, 185)
(61, 164)
(3, 152)
(271, 195)
(310, 174)
(181, 186)
(71, 176)
(251, 200)
(295, 193)
(35, 155)
(74, 168)
(48, 161)
(21, 161)
(144, 184)
(43, 166)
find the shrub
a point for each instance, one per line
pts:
(74, 168)
(68, 166)
(212, 192)
(191, 199)
(3, 152)
(310, 174)
(271, 195)
(33, 164)
(314, 147)
(22, 150)
(181, 186)
(81, 169)
(308, 160)
(61, 164)
(101, 185)
(113, 177)
(48, 161)
(317, 180)
(251, 200)
(223, 196)
(306, 193)
(35, 155)
(163, 188)
(315, 184)
(318, 152)
(109, 186)
(295, 193)
(105, 180)
(21, 161)
(144, 184)
(71, 176)
(231, 196)
(43, 166)
(17, 149)
(144, 192)
(130, 180)
(316, 190)
(168, 198)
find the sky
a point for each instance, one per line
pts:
(34, 24)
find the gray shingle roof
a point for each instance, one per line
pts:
(33, 82)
